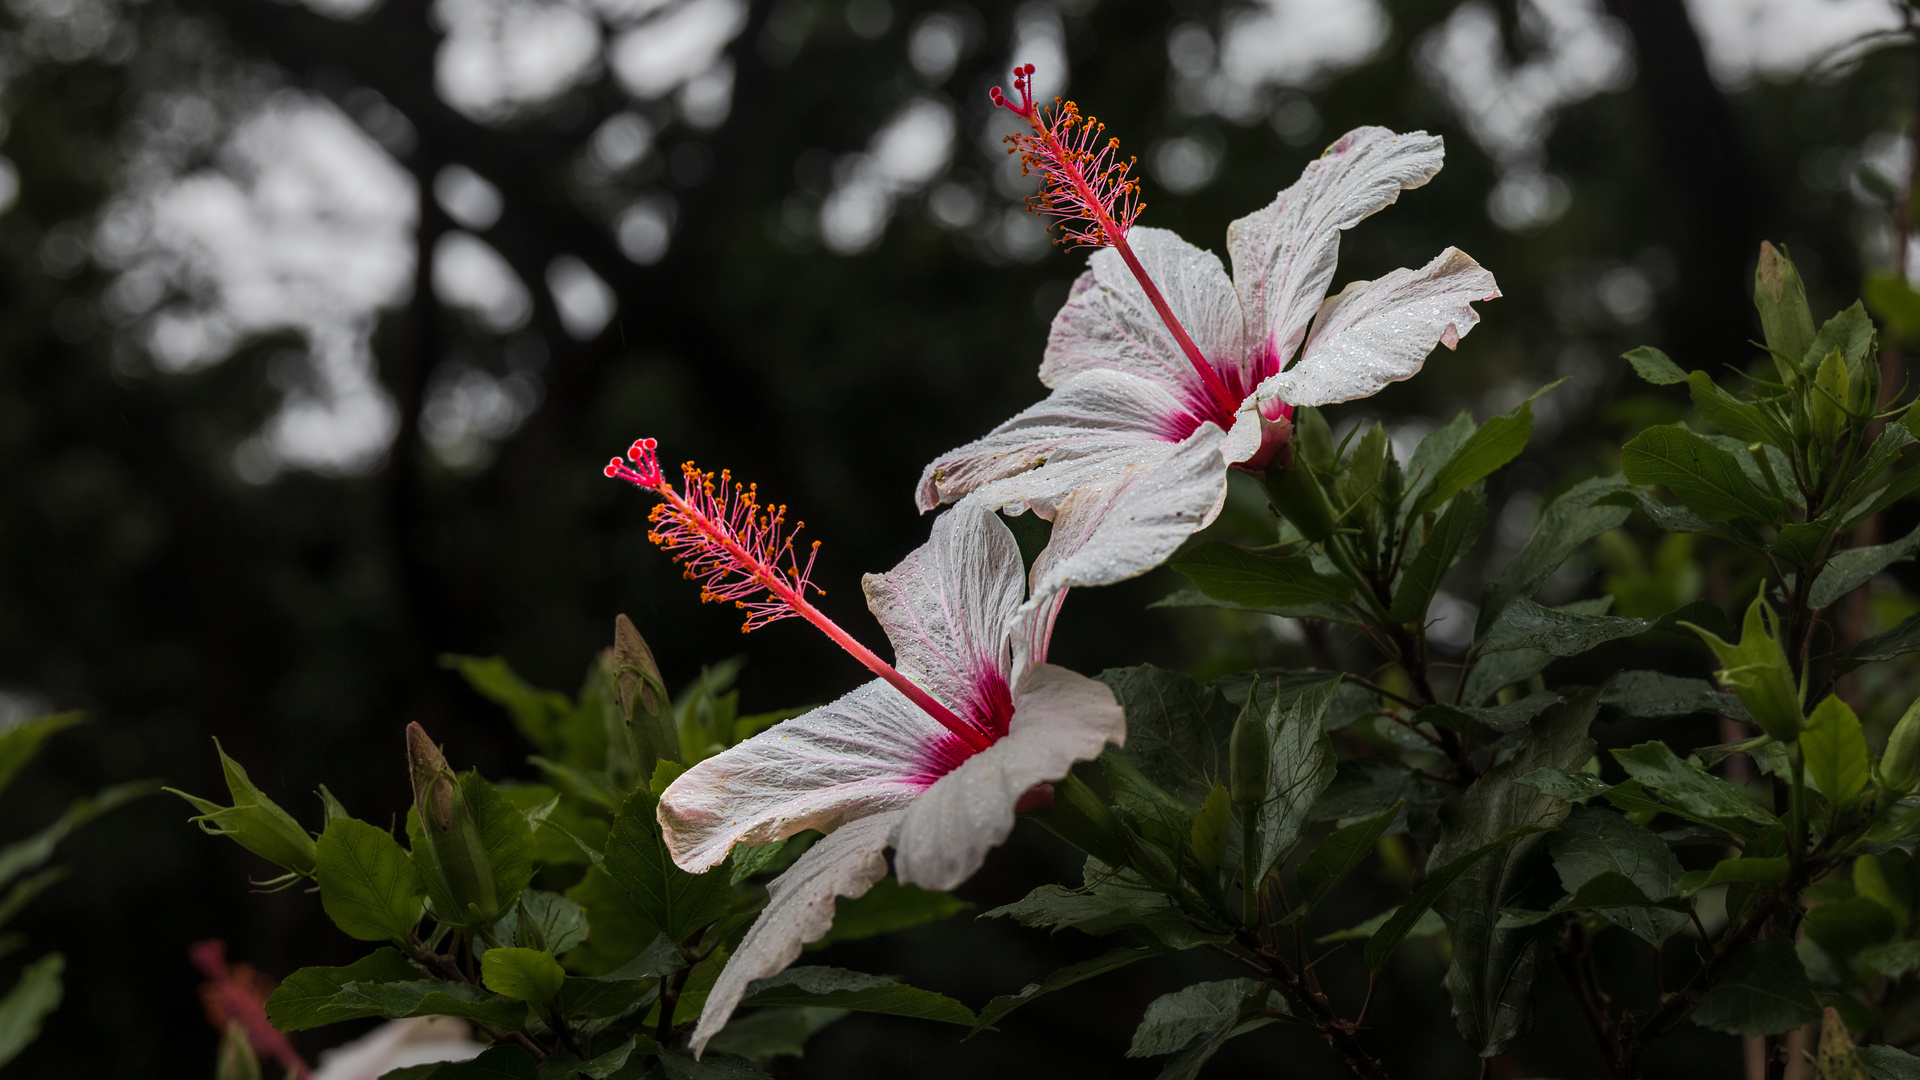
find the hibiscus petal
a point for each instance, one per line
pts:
(947, 605)
(1283, 256)
(1059, 718)
(869, 752)
(799, 910)
(1135, 522)
(1108, 323)
(1378, 332)
(1086, 431)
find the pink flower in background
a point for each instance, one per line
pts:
(932, 759)
(238, 994)
(1165, 371)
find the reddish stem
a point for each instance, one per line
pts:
(1112, 231)
(776, 583)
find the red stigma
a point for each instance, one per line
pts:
(724, 537)
(1085, 186)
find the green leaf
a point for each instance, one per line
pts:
(425, 997)
(1300, 767)
(1650, 695)
(1892, 959)
(1488, 828)
(837, 988)
(1844, 927)
(1395, 929)
(34, 996)
(1428, 925)
(1835, 751)
(1850, 331)
(1451, 536)
(1439, 447)
(1227, 573)
(522, 974)
(1362, 787)
(505, 834)
(1747, 422)
(30, 854)
(1568, 522)
(1781, 298)
(537, 713)
(1570, 787)
(1177, 729)
(303, 1000)
(1111, 900)
(886, 907)
(1339, 854)
(254, 821)
(1854, 567)
(1688, 788)
(1890, 1063)
(1556, 631)
(1208, 839)
(1709, 480)
(760, 1037)
(1753, 870)
(1889, 296)
(1000, 1006)
(1762, 991)
(1593, 842)
(1507, 718)
(1886, 645)
(1175, 1021)
(367, 883)
(678, 903)
(1492, 445)
(544, 920)
(1654, 366)
(21, 741)
(1801, 544)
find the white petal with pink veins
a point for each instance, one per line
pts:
(1283, 255)
(869, 752)
(1108, 323)
(1059, 718)
(947, 605)
(1086, 431)
(1135, 522)
(799, 909)
(1380, 332)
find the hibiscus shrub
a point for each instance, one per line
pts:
(677, 857)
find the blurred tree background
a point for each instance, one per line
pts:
(319, 318)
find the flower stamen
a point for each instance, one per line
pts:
(1085, 181)
(741, 550)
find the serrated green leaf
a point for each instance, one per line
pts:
(1556, 631)
(1301, 765)
(760, 1037)
(1362, 787)
(1491, 446)
(1886, 645)
(504, 1062)
(1208, 838)
(1688, 788)
(1889, 1063)
(1177, 729)
(1388, 937)
(1762, 991)
(1593, 842)
(1654, 366)
(1754, 870)
(837, 988)
(678, 903)
(1709, 480)
(367, 883)
(1651, 695)
(1176, 1021)
(1508, 718)
(302, 1001)
(1569, 787)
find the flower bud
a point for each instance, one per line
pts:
(451, 834)
(1757, 671)
(1249, 754)
(254, 821)
(1828, 398)
(1900, 765)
